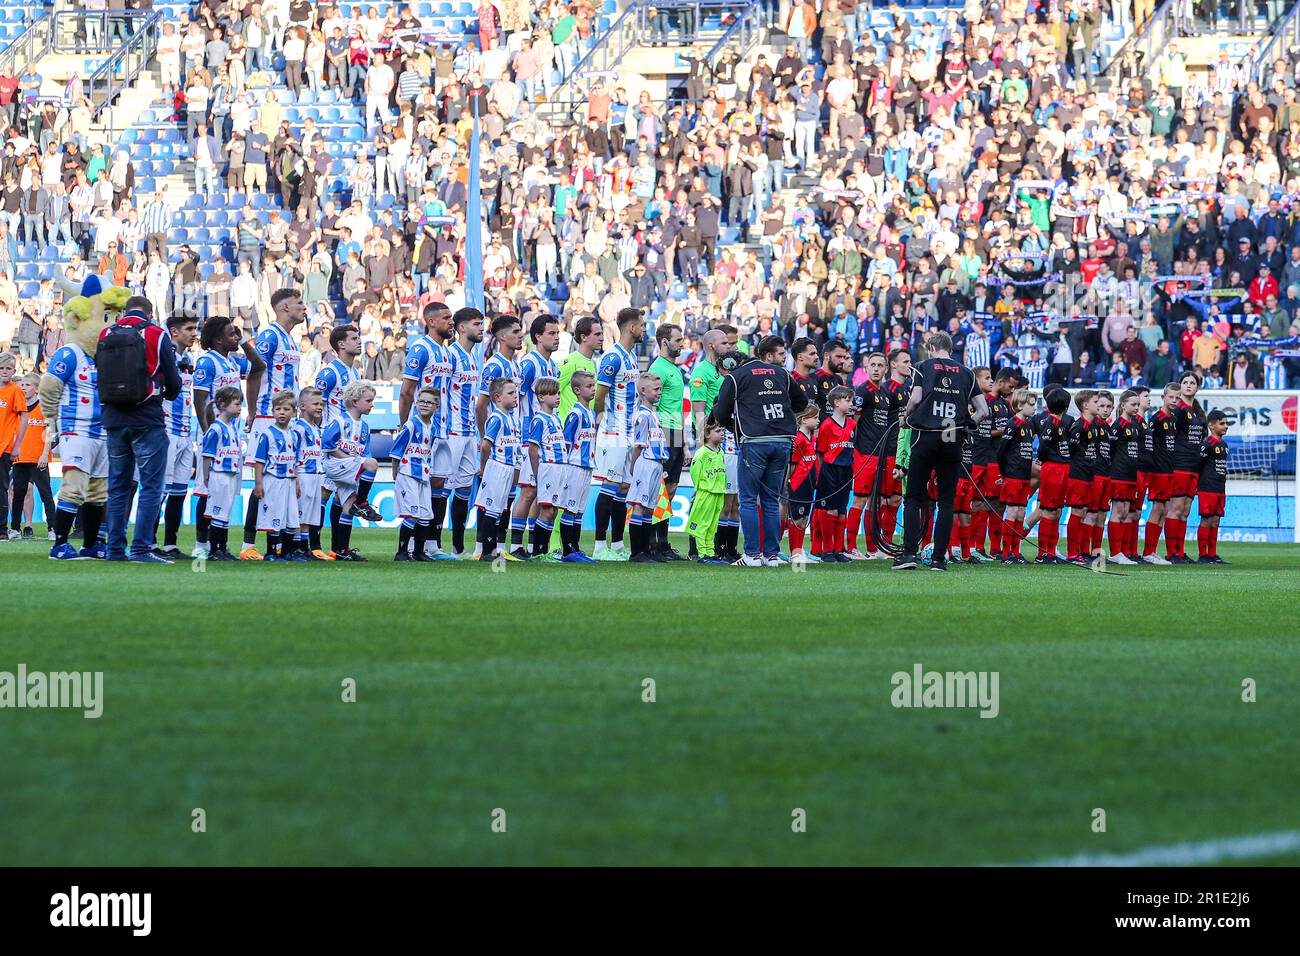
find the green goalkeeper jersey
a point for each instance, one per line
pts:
(709, 470)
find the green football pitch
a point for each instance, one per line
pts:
(516, 702)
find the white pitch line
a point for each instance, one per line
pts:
(1187, 854)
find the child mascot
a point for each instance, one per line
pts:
(70, 398)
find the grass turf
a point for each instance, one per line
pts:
(523, 691)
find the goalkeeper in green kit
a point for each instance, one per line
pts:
(709, 476)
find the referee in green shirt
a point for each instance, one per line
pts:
(669, 339)
(588, 339)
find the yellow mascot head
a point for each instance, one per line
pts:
(85, 316)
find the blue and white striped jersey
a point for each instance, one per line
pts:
(413, 448)
(501, 431)
(331, 380)
(580, 436)
(1274, 371)
(1036, 372)
(178, 412)
(649, 434)
(428, 364)
(977, 352)
(462, 390)
(214, 371)
(531, 368)
(547, 434)
(309, 447)
(281, 354)
(277, 450)
(618, 372)
(347, 435)
(498, 366)
(79, 410)
(223, 442)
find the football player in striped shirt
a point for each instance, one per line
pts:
(311, 472)
(580, 453)
(498, 466)
(70, 397)
(219, 366)
(278, 347)
(462, 426)
(332, 380)
(341, 371)
(345, 444)
(176, 419)
(275, 480)
(616, 384)
(222, 466)
(507, 338)
(533, 367)
(412, 455)
(1212, 486)
(546, 449)
(428, 365)
(649, 452)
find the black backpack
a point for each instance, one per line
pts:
(122, 368)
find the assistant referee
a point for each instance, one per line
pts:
(944, 403)
(669, 339)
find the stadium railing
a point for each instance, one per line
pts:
(30, 45)
(117, 72)
(1284, 36)
(1147, 41)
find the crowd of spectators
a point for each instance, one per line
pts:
(971, 175)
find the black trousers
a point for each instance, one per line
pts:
(6, 465)
(24, 476)
(931, 455)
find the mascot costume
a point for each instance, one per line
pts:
(70, 397)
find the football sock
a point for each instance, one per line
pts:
(517, 528)
(503, 522)
(979, 524)
(618, 514)
(313, 537)
(201, 521)
(61, 523)
(661, 534)
(852, 523)
(250, 522)
(1011, 538)
(604, 508)
(1074, 536)
(363, 488)
(487, 531)
(995, 523)
(542, 536)
(1116, 536)
(272, 542)
(1049, 533)
(1175, 533)
(1152, 538)
(459, 518)
(796, 538)
(818, 539)
(1214, 541)
(439, 516)
(421, 536)
(1203, 541)
(92, 516)
(175, 511)
(404, 535)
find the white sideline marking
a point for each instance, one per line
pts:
(1187, 854)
